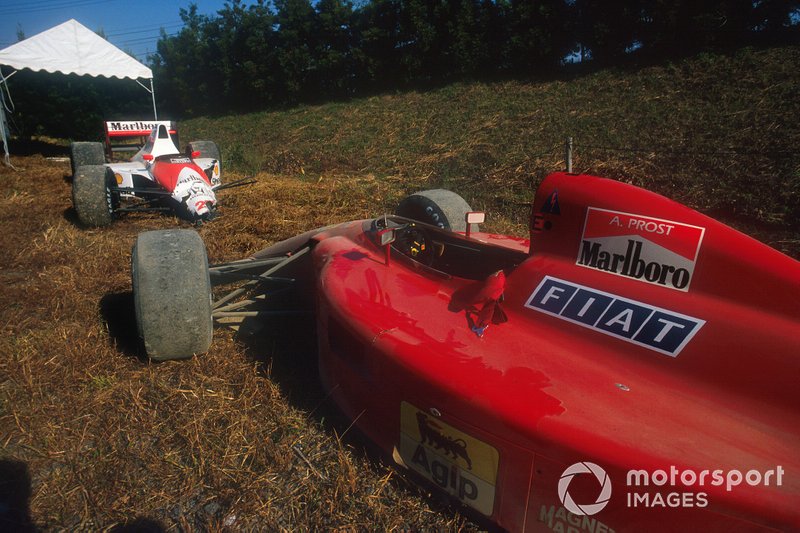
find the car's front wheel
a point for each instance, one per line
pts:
(85, 153)
(92, 196)
(437, 207)
(172, 293)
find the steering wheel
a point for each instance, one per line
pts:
(413, 242)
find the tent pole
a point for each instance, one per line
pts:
(3, 120)
(6, 158)
(153, 93)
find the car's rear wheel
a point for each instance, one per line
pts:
(92, 195)
(172, 294)
(85, 153)
(437, 207)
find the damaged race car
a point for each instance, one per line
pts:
(632, 366)
(157, 178)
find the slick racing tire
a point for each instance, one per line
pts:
(92, 197)
(83, 153)
(437, 207)
(172, 293)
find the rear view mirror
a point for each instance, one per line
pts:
(474, 217)
(387, 236)
(195, 154)
(147, 157)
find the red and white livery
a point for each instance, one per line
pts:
(157, 178)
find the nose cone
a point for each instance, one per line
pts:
(196, 195)
(202, 202)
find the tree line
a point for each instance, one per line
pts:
(274, 53)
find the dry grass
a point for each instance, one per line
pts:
(93, 437)
(716, 132)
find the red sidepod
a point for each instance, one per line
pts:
(642, 338)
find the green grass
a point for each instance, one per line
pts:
(716, 132)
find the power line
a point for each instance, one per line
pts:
(150, 45)
(51, 7)
(38, 3)
(149, 29)
(34, 3)
(134, 40)
(142, 40)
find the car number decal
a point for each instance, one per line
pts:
(458, 463)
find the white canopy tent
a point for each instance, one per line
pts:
(70, 48)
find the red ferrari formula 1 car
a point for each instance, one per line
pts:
(632, 366)
(157, 178)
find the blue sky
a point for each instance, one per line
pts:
(132, 26)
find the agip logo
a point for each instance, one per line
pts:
(584, 509)
(651, 250)
(455, 461)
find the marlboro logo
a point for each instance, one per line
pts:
(131, 126)
(121, 128)
(652, 250)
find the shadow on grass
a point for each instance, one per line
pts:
(286, 348)
(119, 314)
(15, 495)
(71, 216)
(139, 525)
(24, 147)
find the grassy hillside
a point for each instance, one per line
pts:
(717, 132)
(93, 437)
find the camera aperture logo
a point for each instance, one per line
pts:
(584, 509)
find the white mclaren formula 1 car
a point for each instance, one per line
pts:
(158, 178)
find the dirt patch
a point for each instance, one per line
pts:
(94, 436)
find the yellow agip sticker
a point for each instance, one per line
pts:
(458, 463)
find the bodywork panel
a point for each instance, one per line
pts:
(640, 335)
(189, 182)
